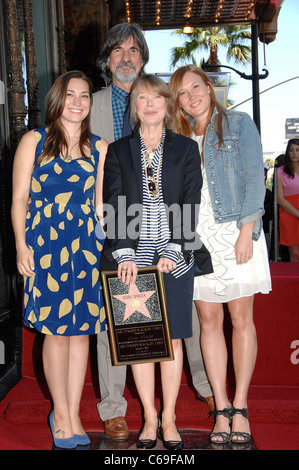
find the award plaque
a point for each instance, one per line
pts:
(137, 318)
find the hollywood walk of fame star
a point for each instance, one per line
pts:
(135, 300)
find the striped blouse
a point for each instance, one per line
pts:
(155, 233)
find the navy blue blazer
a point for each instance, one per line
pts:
(181, 185)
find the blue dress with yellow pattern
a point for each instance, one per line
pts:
(64, 297)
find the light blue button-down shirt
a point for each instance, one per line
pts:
(119, 104)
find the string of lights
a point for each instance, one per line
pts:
(189, 12)
(128, 11)
(250, 8)
(158, 11)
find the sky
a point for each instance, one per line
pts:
(281, 59)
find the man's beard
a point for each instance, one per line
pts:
(126, 78)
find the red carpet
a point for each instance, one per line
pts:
(273, 397)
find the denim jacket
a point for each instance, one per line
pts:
(235, 171)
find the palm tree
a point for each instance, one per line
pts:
(208, 39)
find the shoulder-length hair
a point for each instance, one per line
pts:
(115, 36)
(152, 84)
(288, 166)
(182, 121)
(56, 141)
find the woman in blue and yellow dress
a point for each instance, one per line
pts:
(59, 242)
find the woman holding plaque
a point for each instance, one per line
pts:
(157, 169)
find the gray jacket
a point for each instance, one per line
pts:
(101, 118)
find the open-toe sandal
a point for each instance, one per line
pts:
(245, 436)
(225, 436)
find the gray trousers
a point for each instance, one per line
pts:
(196, 363)
(112, 379)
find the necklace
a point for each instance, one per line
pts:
(69, 155)
(152, 183)
(149, 155)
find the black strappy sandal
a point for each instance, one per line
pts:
(246, 437)
(225, 436)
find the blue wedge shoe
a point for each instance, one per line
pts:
(68, 443)
(82, 439)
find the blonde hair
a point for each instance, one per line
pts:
(181, 119)
(153, 84)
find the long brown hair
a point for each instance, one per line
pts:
(288, 166)
(55, 141)
(181, 121)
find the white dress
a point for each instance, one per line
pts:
(229, 280)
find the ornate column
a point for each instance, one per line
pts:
(17, 108)
(34, 120)
(60, 35)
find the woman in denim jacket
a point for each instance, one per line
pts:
(230, 226)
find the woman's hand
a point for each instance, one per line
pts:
(244, 244)
(127, 272)
(25, 262)
(166, 265)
